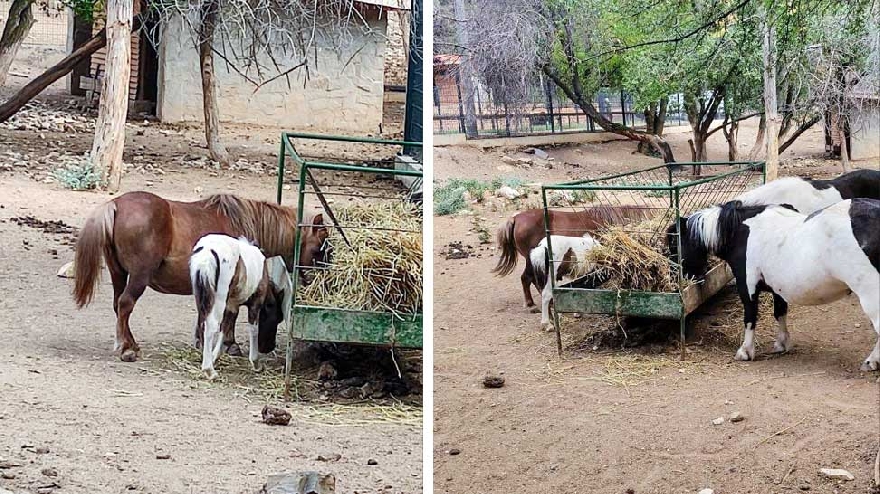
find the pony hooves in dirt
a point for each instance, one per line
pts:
(128, 356)
(745, 355)
(533, 309)
(868, 366)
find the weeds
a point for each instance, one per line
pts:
(78, 174)
(450, 197)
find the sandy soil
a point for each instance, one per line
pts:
(104, 423)
(606, 419)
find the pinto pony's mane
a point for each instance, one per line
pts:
(271, 226)
(715, 228)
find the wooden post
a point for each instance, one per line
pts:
(771, 131)
(113, 109)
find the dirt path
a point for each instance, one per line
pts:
(638, 420)
(107, 424)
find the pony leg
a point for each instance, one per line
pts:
(780, 311)
(253, 331)
(199, 332)
(869, 297)
(228, 328)
(546, 298)
(527, 278)
(750, 319)
(212, 340)
(125, 342)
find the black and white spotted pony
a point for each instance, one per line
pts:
(801, 259)
(808, 196)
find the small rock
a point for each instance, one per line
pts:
(858, 325)
(333, 457)
(707, 491)
(718, 421)
(42, 450)
(163, 456)
(540, 154)
(349, 392)
(736, 417)
(804, 487)
(372, 462)
(7, 476)
(454, 452)
(275, 416)
(836, 473)
(493, 382)
(507, 192)
(49, 472)
(67, 271)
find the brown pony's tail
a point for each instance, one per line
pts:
(507, 245)
(93, 243)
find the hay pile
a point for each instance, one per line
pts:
(383, 269)
(633, 257)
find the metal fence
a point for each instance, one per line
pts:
(548, 111)
(50, 26)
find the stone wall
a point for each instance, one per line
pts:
(398, 42)
(336, 97)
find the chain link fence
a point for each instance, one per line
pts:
(50, 26)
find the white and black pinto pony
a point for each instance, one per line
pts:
(569, 261)
(801, 259)
(227, 273)
(808, 196)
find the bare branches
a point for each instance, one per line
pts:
(265, 40)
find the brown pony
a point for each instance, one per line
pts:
(524, 231)
(147, 241)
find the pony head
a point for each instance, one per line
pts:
(694, 255)
(271, 315)
(315, 249)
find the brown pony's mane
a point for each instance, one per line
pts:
(615, 214)
(273, 227)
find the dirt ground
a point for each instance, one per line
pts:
(73, 418)
(606, 419)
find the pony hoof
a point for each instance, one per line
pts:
(234, 350)
(210, 374)
(533, 309)
(128, 356)
(868, 366)
(744, 355)
(780, 348)
(257, 366)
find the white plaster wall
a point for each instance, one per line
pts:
(865, 137)
(335, 97)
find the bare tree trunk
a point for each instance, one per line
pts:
(770, 108)
(465, 74)
(803, 127)
(759, 140)
(52, 74)
(18, 24)
(216, 149)
(730, 135)
(110, 125)
(844, 149)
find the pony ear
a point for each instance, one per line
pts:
(318, 226)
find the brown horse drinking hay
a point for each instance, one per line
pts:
(147, 241)
(524, 231)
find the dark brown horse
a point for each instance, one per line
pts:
(147, 241)
(524, 231)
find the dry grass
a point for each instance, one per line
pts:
(268, 386)
(633, 257)
(383, 269)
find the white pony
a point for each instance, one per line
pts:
(227, 273)
(569, 260)
(801, 259)
(809, 196)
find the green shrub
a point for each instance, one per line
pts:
(78, 174)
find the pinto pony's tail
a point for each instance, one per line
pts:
(539, 257)
(507, 245)
(204, 273)
(95, 241)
